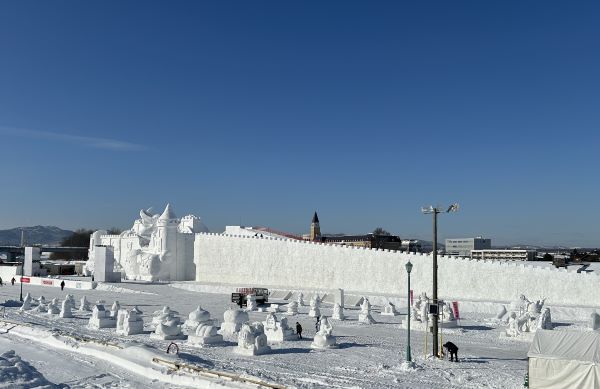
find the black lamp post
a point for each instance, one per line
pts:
(409, 267)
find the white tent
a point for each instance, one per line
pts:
(564, 359)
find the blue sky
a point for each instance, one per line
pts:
(262, 112)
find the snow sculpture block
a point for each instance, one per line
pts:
(365, 313)
(168, 330)
(114, 309)
(53, 307)
(595, 322)
(41, 300)
(447, 319)
(338, 312)
(129, 323)
(292, 308)
(277, 331)
(252, 340)
(104, 265)
(300, 299)
(84, 305)
(315, 306)
(251, 302)
(65, 310)
(324, 338)
(100, 318)
(71, 300)
(545, 320)
(273, 308)
(195, 318)
(205, 334)
(389, 309)
(233, 319)
(32, 254)
(163, 315)
(26, 303)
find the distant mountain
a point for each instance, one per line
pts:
(46, 235)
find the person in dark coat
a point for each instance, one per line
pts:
(317, 324)
(299, 330)
(62, 285)
(0, 281)
(452, 350)
(13, 281)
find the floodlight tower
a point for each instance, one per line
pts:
(435, 211)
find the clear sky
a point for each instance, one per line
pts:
(262, 112)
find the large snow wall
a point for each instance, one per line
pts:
(281, 263)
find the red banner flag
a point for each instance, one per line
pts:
(455, 309)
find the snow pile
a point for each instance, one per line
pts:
(14, 372)
(118, 289)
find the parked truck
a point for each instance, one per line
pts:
(240, 295)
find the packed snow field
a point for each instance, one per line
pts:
(368, 356)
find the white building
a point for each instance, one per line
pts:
(157, 247)
(504, 255)
(462, 247)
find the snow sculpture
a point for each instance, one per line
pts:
(129, 323)
(300, 299)
(71, 299)
(595, 322)
(100, 318)
(535, 307)
(53, 307)
(273, 308)
(157, 247)
(205, 334)
(338, 312)
(84, 305)
(168, 330)
(324, 339)
(501, 313)
(41, 300)
(163, 315)
(315, 306)
(26, 303)
(251, 302)
(545, 320)
(277, 331)
(389, 310)
(292, 308)
(233, 319)
(365, 313)
(65, 309)
(114, 310)
(195, 318)
(252, 340)
(447, 318)
(137, 310)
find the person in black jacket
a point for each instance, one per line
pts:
(299, 330)
(452, 350)
(62, 285)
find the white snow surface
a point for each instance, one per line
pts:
(16, 373)
(69, 354)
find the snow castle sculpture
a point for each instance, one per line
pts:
(129, 323)
(338, 312)
(233, 321)
(100, 318)
(65, 309)
(195, 318)
(365, 313)
(389, 309)
(315, 306)
(205, 334)
(252, 340)
(323, 338)
(277, 331)
(157, 247)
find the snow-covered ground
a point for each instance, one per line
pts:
(369, 356)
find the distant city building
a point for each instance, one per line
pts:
(462, 247)
(315, 228)
(411, 245)
(504, 255)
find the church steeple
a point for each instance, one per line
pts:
(315, 228)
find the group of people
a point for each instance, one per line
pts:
(12, 282)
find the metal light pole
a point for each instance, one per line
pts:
(409, 267)
(22, 259)
(434, 211)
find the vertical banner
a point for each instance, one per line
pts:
(455, 309)
(411, 297)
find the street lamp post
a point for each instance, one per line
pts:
(435, 211)
(21, 280)
(409, 267)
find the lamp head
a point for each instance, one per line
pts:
(409, 267)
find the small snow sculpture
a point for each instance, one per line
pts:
(53, 307)
(324, 338)
(277, 331)
(100, 318)
(251, 302)
(365, 313)
(84, 305)
(273, 308)
(513, 325)
(252, 340)
(523, 326)
(129, 323)
(501, 312)
(163, 315)
(26, 303)
(447, 318)
(233, 319)
(545, 320)
(205, 334)
(195, 318)
(168, 330)
(338, 312)
(71, 299)
(535, 307)
(595, 322)
(114, 310)
(65, 309)
(137, 310)
(389, 310)
(292, 308)
(41, 300)
(315, 306)
(300, 299)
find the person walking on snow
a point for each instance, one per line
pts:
(299, 330)
(0, 281)
(13, 281)
(62, 285)
(317, 324)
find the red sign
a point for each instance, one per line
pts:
(411, 297)
(46, 282)
(455, 309)
(25, 280)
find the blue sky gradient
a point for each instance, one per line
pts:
(262, 112)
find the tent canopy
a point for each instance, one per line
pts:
(566, 345)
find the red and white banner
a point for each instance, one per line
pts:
(47, 282)
(25, 280)
(455, 309)
(411, 297)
